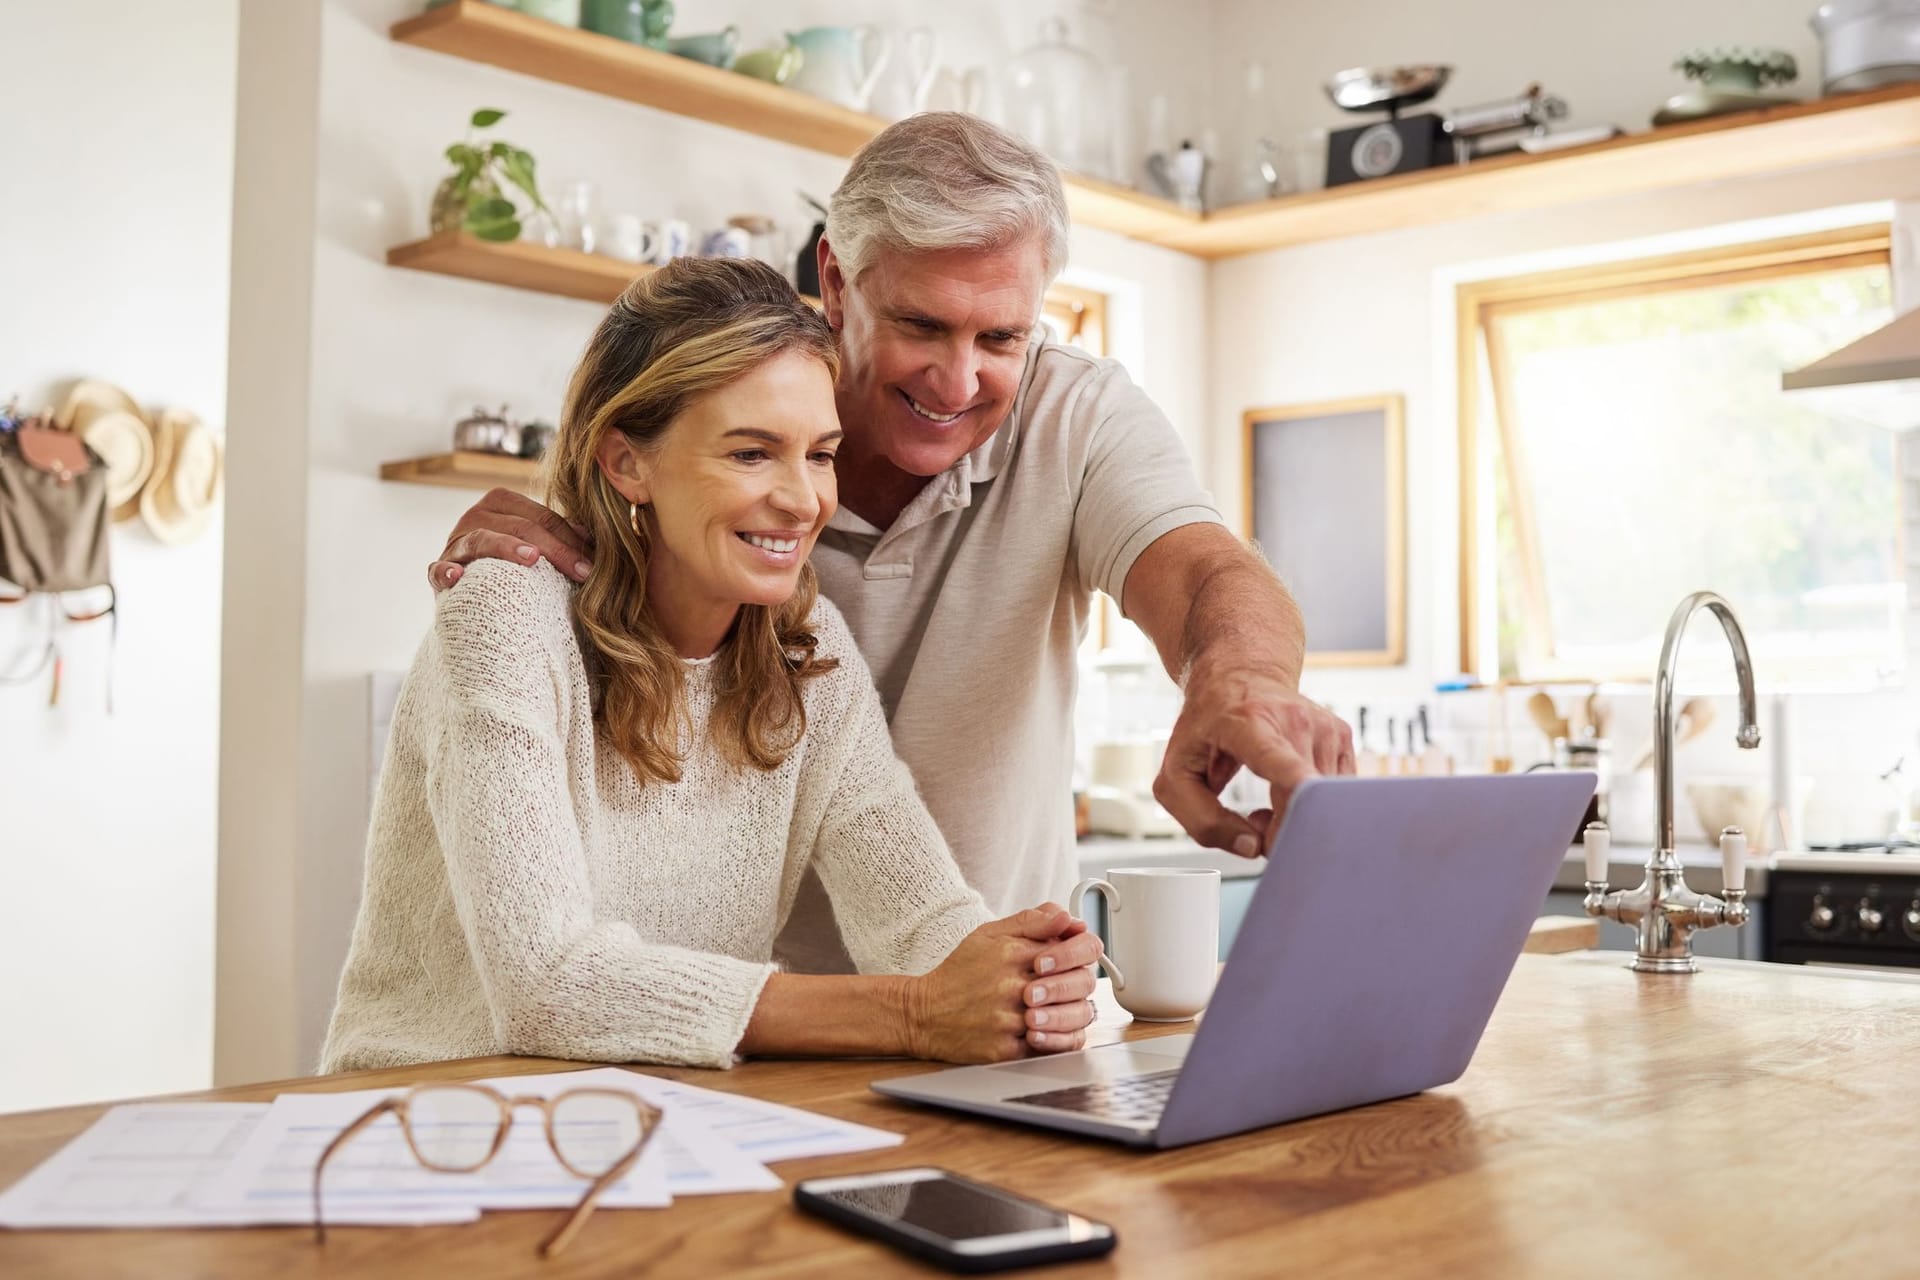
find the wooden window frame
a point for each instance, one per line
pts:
(1479, 302)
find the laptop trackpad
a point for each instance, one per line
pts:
(1108, 1062)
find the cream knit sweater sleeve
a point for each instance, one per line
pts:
(557, 981)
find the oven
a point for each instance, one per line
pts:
(1853, 910)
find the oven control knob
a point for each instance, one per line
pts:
(1911, 921)
(1821, 917)
(1870, 917)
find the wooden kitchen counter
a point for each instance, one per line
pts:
(1749, 1121)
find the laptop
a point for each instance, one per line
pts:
(1383, 930)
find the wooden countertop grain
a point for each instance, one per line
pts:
(1751, 1119)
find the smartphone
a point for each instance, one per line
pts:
(953, 1222)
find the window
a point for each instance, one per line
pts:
(1624, 441)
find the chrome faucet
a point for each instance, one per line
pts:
(1664, 910)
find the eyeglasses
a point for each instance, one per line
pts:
(456, 1128)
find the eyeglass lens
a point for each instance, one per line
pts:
(593, 1131)
(454, 1130)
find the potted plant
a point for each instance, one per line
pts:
(472, 197)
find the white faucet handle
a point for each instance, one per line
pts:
(1598, 842)
(1733, 859)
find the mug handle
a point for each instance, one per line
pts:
(872, 51)
(1112, 899)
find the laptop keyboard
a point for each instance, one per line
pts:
(1130, 1098)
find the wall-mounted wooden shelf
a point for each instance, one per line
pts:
(519, 264)
(1748, 144)
(500, 37)
(466, 470)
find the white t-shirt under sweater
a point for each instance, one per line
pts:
(524, 894)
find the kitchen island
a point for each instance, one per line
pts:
(1750, 1120)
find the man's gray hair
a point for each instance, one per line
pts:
(947, 180)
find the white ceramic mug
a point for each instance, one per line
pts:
(672, 238)
(1163, 936)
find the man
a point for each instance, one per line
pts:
(989, 480)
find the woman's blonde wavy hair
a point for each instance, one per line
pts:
(678, 333)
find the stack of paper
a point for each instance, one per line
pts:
(237, 1164)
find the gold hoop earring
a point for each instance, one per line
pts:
(633, 517)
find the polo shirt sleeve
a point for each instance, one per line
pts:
(1135, 481)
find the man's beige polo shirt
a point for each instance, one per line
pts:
(970, 609)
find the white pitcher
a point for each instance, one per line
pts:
(843, 64)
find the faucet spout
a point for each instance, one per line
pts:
(1749, 735)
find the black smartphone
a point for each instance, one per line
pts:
(954, 1222)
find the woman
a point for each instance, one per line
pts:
(598, 802)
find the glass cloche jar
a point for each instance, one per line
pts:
(1057, 97)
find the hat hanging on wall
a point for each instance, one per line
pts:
(178, 500)
(112, 425)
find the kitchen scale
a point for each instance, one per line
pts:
(1399, 144)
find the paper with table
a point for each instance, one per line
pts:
(238, 1164)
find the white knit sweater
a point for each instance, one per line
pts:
(524, 894)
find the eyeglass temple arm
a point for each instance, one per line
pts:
(563, 1234)
(340, 1140)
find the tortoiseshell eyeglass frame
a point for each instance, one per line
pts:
(399, 1105)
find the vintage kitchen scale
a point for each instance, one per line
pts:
(1407, 144)
(1399, 144)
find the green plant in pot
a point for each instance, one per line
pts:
(473, 197)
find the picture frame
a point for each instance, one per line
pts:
(1324, 499)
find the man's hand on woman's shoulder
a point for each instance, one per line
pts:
(505, 525)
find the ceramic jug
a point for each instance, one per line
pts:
(842, 64)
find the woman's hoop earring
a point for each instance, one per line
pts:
(633, 517)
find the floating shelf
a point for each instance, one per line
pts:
(463, 469)
(1746, 144)
(482, 32)
(1742, 145)
(520, 264)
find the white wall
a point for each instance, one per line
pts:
(115, 266)
(386, 360)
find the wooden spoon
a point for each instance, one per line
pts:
(1546, 716)
(1695, 715)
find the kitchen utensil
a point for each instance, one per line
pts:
(922, 55)
(1182, 176)
(1056, 97)
(1493, 128)
(635, 21)
(1546, 716)
(1400, 144)
(575, 213)
(1164, 926)
(1692, 721)
(629, 238)
(1746, 803)
(1389, 89)
(727, 242)
(1731, 79)
(484, 432)
(536, 438)
(1865, 44)
(672, 238)
(776, 65)
(840, 64)
(951, 90)
(715, 48)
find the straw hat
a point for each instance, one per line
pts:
(178, 501)
(112, 425)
